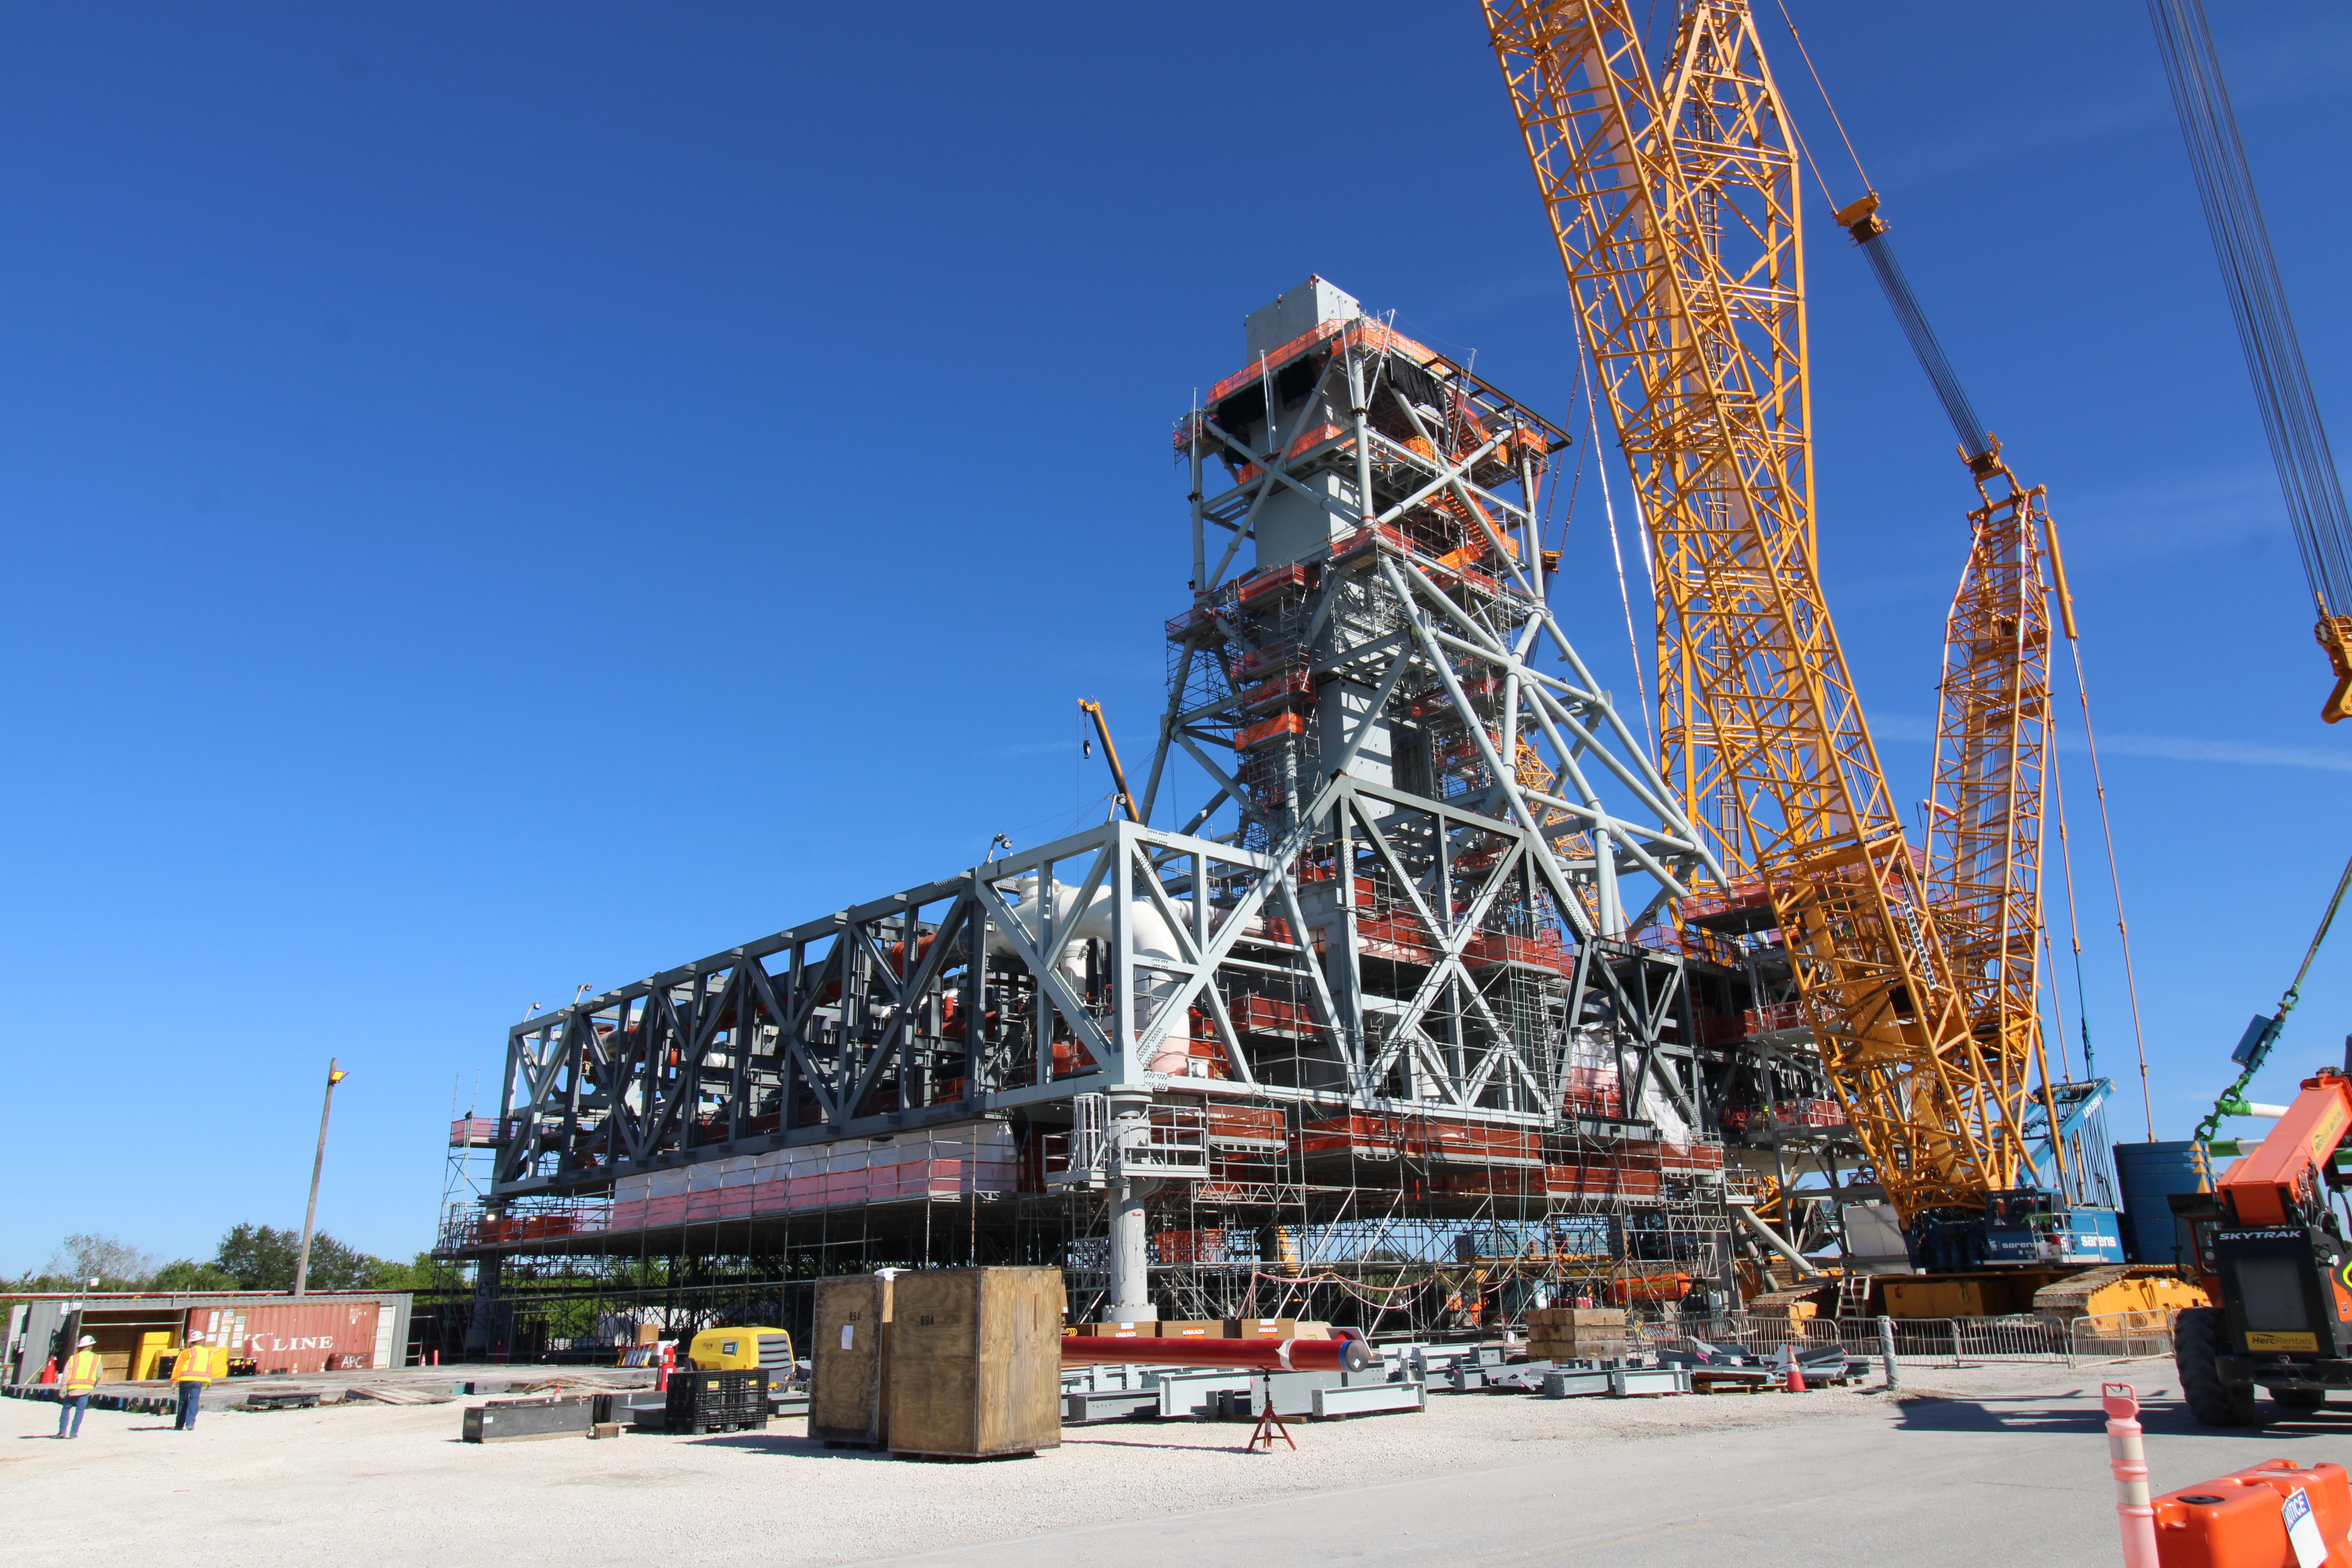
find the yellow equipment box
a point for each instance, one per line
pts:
(741, 1349)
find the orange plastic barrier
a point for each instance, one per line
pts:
(2239, 1520)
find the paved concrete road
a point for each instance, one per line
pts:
(1993, 1482)
(2007, 1469)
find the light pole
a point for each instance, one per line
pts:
(311, 1214)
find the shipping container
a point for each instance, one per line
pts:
(2150, 1173)
(297, 1337)
(121, 1322)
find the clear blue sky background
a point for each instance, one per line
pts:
(499, 498)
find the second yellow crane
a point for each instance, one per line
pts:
(1673, 204)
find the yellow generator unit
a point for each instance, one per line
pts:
(740, 1350)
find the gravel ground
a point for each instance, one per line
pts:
(322, 1486)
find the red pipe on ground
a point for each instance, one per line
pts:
(1250, 1355)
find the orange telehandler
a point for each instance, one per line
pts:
(2270, 1249)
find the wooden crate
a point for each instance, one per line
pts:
(1261, 1328)
(1191, 1329)
(849, 1393)
(1565, 1318)
(1581, 1347)
(976, 1361)
(1141, 1329)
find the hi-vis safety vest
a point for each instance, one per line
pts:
(194, 1365)
(83, 1370)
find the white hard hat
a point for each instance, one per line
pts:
(196, 1339)
(85, 1340)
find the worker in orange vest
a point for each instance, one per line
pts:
(82, 1372)
(189, 1375)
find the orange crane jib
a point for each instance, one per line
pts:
(2265, 1187)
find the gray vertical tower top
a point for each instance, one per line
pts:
(1293, 313)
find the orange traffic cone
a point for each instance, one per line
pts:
(1796, 1380)
(50, 1369)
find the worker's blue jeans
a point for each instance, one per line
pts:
(71, 1407)
(191, 1395)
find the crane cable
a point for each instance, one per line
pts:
(2073, 936)
(2294, 993)
(1609, 510)
(2116, 884)
(2258, 303)
(1806, 55)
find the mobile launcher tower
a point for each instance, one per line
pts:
(1394, 1024)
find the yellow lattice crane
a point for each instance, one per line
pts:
(1675, 206)
(1993, 736)
(1993, 730)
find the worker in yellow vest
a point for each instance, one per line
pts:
(82, 1372)
(189, 1375)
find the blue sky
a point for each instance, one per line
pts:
(500, 498)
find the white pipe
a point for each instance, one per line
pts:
(1148, 930)
(1771, 1238)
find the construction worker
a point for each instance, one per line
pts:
(82, 1372)
(189, 1375)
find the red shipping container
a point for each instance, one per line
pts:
(302, 1337)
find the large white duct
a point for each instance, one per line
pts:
(1147, 931)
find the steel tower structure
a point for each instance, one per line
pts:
(1384, 949)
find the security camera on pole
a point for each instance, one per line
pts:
(311, 1214)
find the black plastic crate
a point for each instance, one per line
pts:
(717, 1401)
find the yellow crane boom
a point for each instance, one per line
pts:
(1674, 207)
(1993, 733)
(1993, 736)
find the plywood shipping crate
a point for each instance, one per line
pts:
(1261, 1328)
(849, 1393)
(1141, 1329)
(1191, 1329)
(1576, 1333)
(976, 1361)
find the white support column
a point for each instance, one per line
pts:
(1130, 1257)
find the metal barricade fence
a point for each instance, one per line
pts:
(2119, 1336)
(1945, 1342)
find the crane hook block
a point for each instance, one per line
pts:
(2335, 635)
(1860, 219)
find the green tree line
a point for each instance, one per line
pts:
(249, 1257)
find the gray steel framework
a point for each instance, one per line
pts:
(1429, 882)
(1500, 888)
